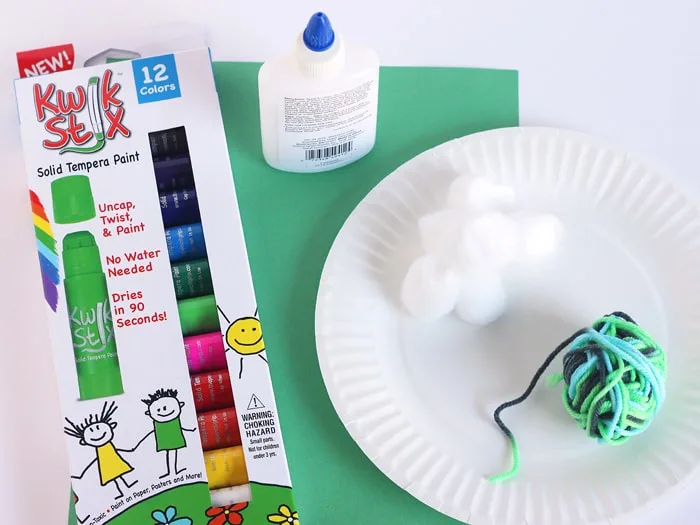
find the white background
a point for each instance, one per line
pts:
(628, 70)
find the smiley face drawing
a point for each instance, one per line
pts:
(245, 337)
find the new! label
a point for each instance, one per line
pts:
(45, 60)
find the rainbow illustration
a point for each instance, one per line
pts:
(46, 246)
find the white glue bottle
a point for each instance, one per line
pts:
(318, 105)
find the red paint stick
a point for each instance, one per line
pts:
(219, 429)
(212, 390)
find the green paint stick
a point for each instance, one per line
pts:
(192, 279)
(92, 332)
(198, 315)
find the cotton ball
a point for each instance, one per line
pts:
(490, 239)
(475, 195)
(429, 289)
(482, 298)
(540, 236)
(472, 248)
(458, 193)
(440, 234)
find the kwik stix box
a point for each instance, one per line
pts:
(170, 417)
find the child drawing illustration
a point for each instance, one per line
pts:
(165, 409)
(97, 431)
(244, 336)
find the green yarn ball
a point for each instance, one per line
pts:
(614, 376)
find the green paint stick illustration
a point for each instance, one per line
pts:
(87, 296)
(92, 332)
(72, 199)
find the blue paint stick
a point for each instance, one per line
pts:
(174, 173)
(168, 143)
(179, 207)
(186, 242)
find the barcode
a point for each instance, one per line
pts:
(332, 151)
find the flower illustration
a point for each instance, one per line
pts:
(226, 515)
(285, 516)
(167, 517)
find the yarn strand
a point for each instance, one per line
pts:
(515, 461)
(614, 375)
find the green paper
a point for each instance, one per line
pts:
(290, 221)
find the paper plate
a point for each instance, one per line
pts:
(418, 397)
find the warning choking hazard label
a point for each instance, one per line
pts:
(260, 430)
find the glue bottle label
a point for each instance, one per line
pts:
(328, 130)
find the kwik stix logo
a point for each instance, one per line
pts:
(82, 120)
